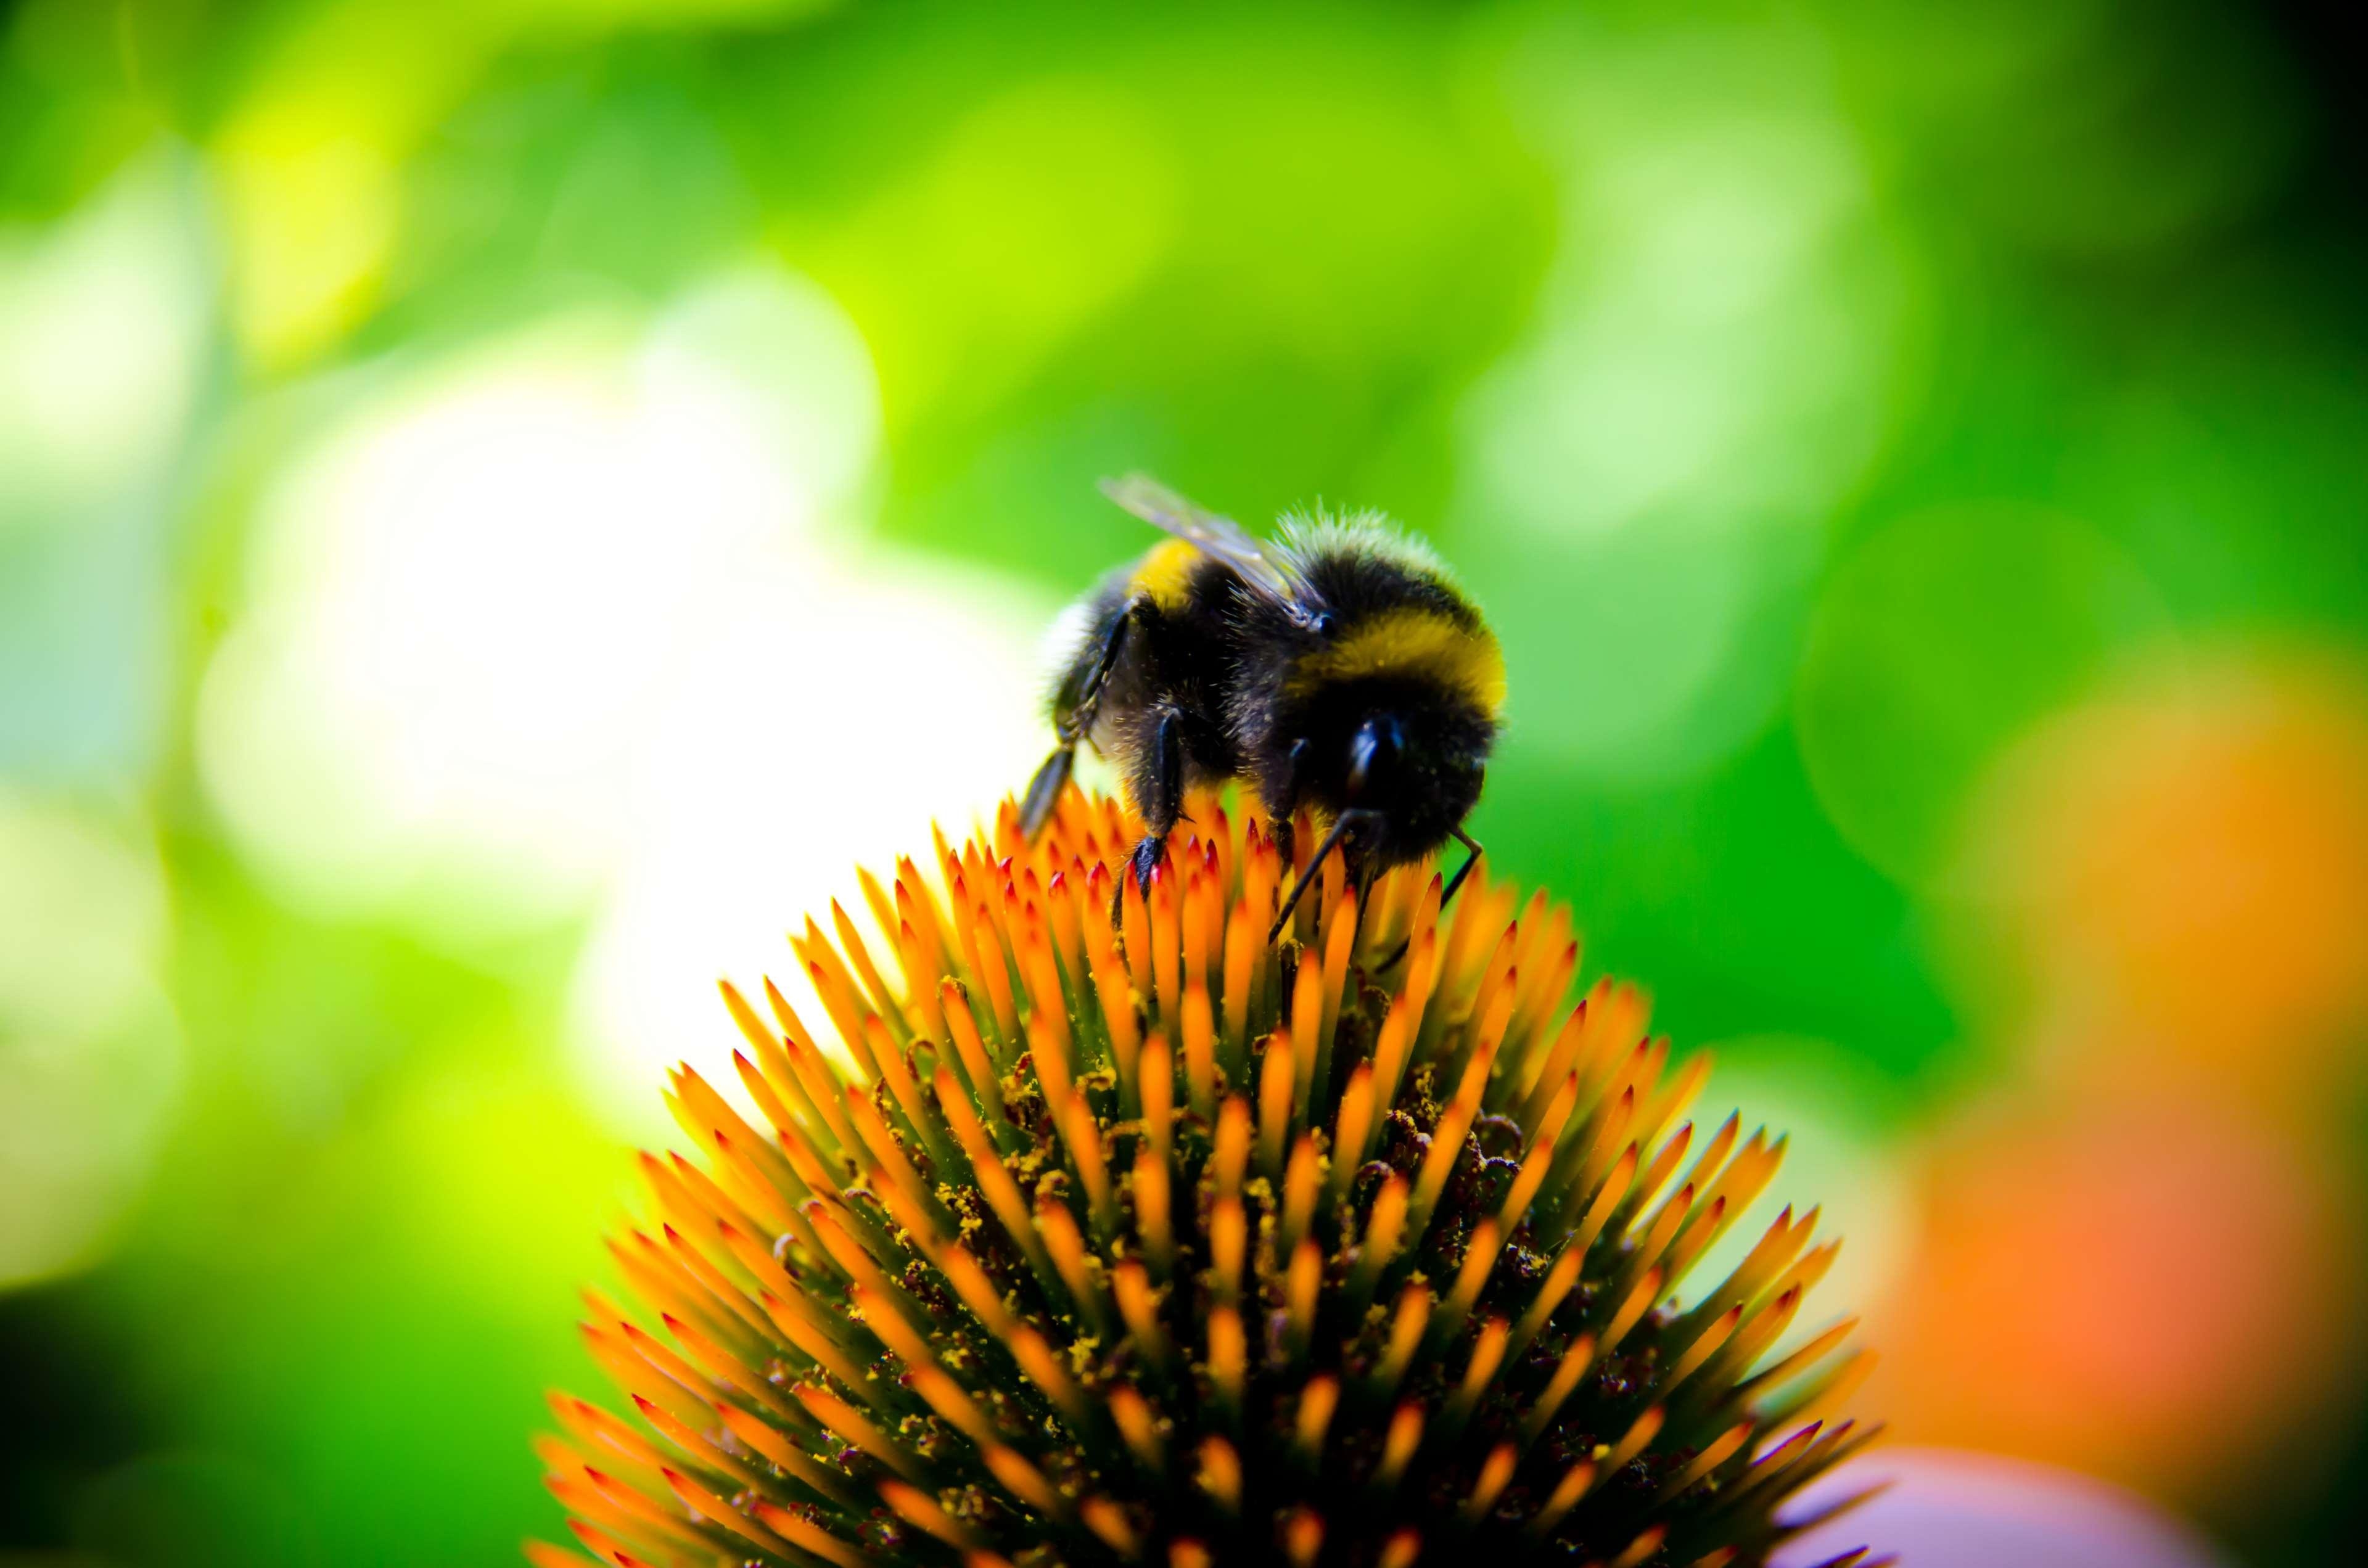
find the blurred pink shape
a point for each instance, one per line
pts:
(1952, 1508)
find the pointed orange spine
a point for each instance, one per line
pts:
(1299, 1179)
(1447, 1140)
(986, 964)
(1494, 1473)
(1352, 1129)
(1197, 933)
(1275, 1085)
(1407, 1325)
(919, 1508)
(1137, 1425)
(1115, 992)
(1479, 1258)
(1487, 1355)
(1390, 1049)
(1540, 1157)
(1067, 922)
(1301, 1282)
(1559, 1062)
(700, 1111)
(1228, 1245)
(1167, 944)
(808, 1537)
(1231, 1157)
(1085, 1142)
(1306, 1030)
(1648, 1428)
(1228, 1353)
(1565, 1495)
(1398, 1444)
(1383, 1229)
(1002, 1193)
(1575, 1359)
(970, 1050)
(1152, 1218)
(1316, 1402)
(1639, 1302)
(1139, 1311)
(1070, 1258)
(1199, 1050)
(772, 1060)
(1303, 1529)
(1050, 1060)
(1158, 1098)
(1221, 1473)
(1551, 1291)
(1241, 955)
(1134, 935)
(1338, 948)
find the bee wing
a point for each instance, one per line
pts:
(1219, 537)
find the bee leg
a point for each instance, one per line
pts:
(1146, 858)
(1341, 826)
(1446, 894)
(1044, 791)
(1368, 872)
(1279, 810)
(1076, 713)
(1073, 715)
(1158, 791)
(1148, 855)
(1464, 871)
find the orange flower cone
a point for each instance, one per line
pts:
(1157, 1243)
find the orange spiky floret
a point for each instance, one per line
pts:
(1139, 1240)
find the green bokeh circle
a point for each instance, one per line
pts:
(1935, 642)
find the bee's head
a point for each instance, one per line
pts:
(1407, 772)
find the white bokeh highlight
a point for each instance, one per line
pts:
(103, 322)
(579, 627)
(1718, 352)
(91, 1050)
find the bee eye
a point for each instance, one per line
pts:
(1322, 623)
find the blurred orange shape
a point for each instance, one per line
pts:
(2180, 876)
(2150, 1290)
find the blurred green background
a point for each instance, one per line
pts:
(503, 502)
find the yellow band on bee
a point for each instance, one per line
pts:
(1166, 575)
(1412, 641)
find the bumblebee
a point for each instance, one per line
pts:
(1339, 668)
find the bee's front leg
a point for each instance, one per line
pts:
(1445, 898)
(1044, 791)
(1284, 802)
(1074, 709)
(1082, 696)
(1157, 788)
(1145, 859)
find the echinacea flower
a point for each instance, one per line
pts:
(1161, 1243)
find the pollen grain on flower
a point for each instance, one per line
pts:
(1137, 1238)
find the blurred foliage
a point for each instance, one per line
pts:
(1820, 397)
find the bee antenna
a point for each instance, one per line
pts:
(1340, 826)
